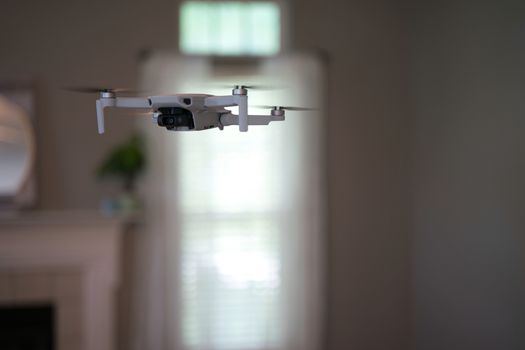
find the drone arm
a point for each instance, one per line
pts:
(100, 116)
(220, 101)
(121, 102)
(242, 101)
(228, 101)
(132, 102)
(232, 119)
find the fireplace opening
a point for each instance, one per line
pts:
(27, 327)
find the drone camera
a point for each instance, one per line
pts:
(175, 117)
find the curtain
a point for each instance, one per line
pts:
(234, 223)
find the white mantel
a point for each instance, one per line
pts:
(70, 259)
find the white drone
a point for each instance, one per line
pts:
(189, 112)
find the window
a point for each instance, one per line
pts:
(231, 205)
(230, 28)
(242, 212)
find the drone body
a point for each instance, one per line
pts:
(190, 112)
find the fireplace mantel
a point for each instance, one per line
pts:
(49, 245)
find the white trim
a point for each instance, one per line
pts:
(91, 246)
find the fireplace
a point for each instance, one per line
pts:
(69, 260)
(27, 327)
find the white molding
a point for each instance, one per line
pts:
(88, 243)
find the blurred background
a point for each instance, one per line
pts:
(392, 217)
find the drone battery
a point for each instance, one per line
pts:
(175, 117)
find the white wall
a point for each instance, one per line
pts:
(469, 182)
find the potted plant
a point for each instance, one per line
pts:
(124, 163)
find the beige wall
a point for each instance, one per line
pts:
(367, 132)
(469, 188)
(62, 43)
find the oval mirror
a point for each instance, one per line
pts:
(17, 153)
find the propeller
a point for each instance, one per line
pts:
(247, 86)
(287, 108)
(94, 89)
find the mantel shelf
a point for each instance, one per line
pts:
(88, 218)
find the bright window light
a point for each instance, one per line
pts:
(230, 28)
(242, 212)
(231, 201)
